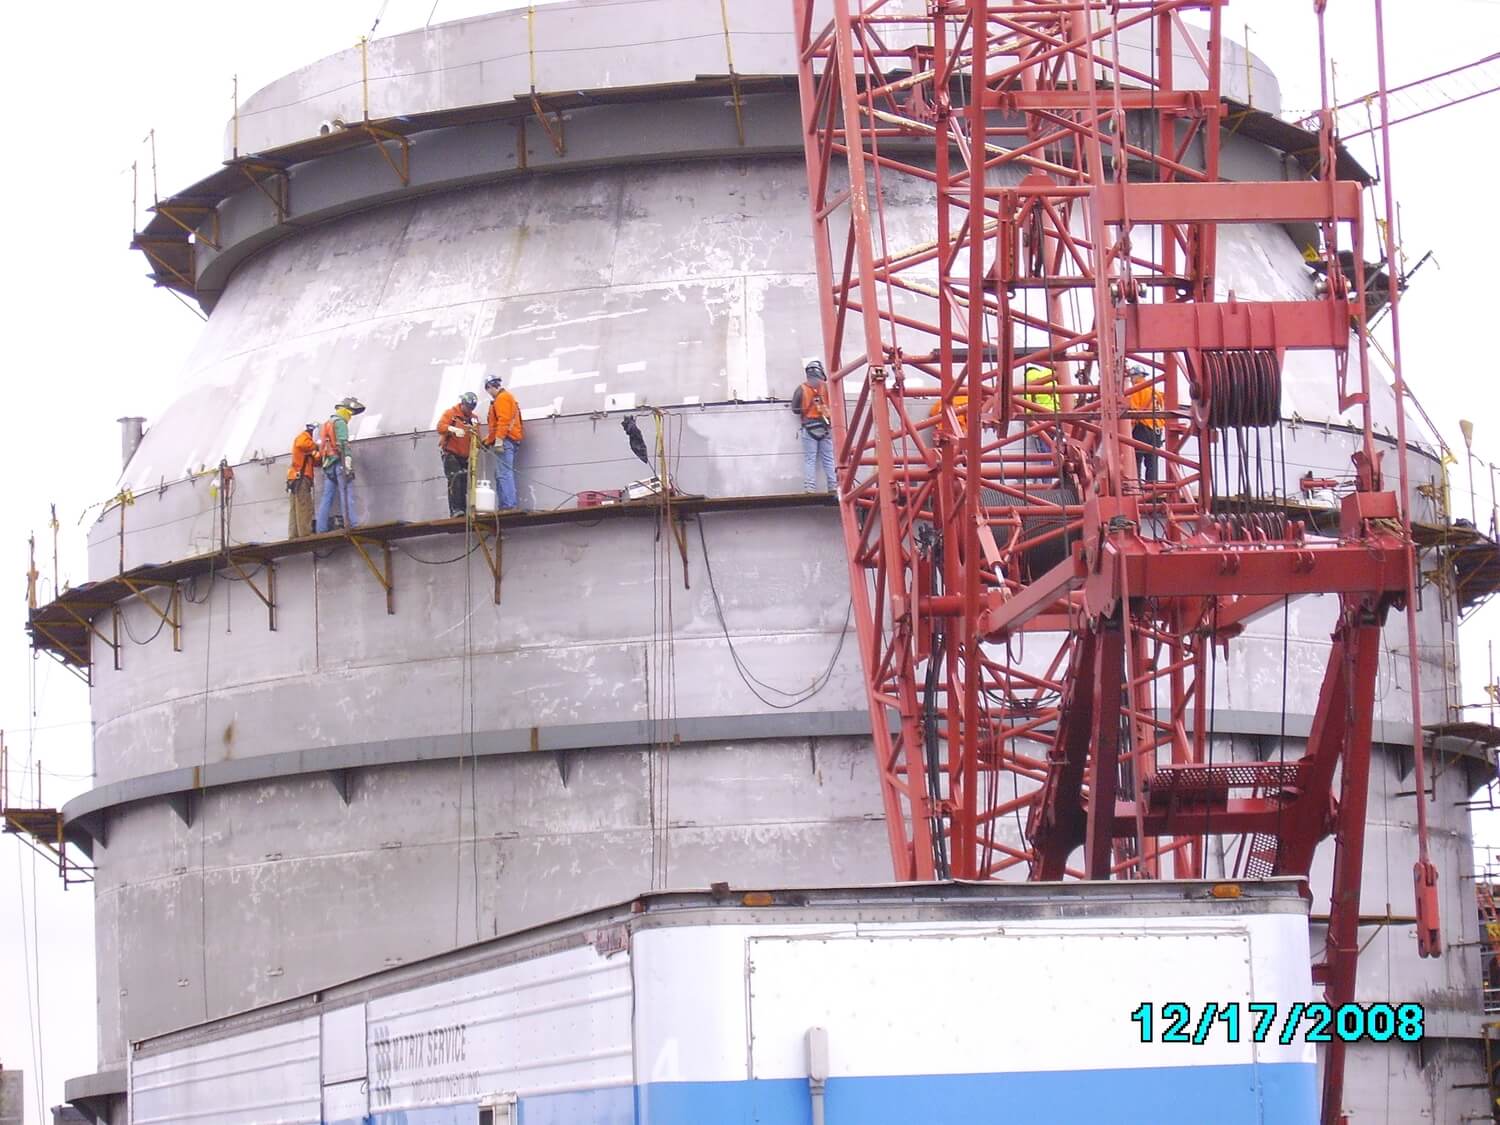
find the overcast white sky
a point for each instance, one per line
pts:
(91, 340)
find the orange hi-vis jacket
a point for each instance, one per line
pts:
(505, 419)
(304, 457)
(814, 402)
(333, 444)
(960, 407)
(449, 443)
(1148, 399)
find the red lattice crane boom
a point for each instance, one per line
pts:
(1015, 208)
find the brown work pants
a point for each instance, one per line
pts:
(299, 520)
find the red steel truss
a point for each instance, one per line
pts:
(1015, 208)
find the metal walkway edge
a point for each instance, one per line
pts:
(64, 626)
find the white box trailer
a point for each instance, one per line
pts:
(897, 1004)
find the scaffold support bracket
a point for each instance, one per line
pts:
(171, 616)
(493, 557)
(266, 595)
(382, 572)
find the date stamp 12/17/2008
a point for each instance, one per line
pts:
(1261, 1022)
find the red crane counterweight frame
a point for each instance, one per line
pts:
(1016, 210)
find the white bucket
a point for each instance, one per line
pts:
(485, 497)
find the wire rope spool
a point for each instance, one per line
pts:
(1256, 527)
(1051, 535)
(1238, 388)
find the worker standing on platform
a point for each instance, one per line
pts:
(337, 457)
(1146, 400)
(299, 482)
(503, 439)
(960, 408)
(1041, 398)
(455, 440)
(810, 403)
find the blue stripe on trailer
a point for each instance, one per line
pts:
(1248, 1094)
(1245, 1094)
(614, 1105)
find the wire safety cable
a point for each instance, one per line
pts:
(208, 630)
(647, 666)
(1213, 705)
(129, 632)
(379, 15)
(751, 681)
(1286, 652)
(466, 716)
(664, 463)
(62, 776)
(434, 562)
(474, 460)
(661, 659)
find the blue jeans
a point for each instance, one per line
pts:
(814, 452)
(335, 482)
(504, 453)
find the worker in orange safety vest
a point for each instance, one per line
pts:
(810, 404)
(337, 458)
(299, 482)
(455, 438)
(506, 432)
(960, 407)
(1146, 402)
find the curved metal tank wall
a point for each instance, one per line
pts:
(282, 868)
(277, 810)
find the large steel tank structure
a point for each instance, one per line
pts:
(605, 202)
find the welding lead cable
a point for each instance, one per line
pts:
(750, 680)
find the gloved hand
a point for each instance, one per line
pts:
(456, 431)
(290, 486)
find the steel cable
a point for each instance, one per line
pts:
(750, 680)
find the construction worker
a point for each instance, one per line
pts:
(299, 482)
(455, 438)
(502, 440)
(1041, 397)
(810, 403)
(1147, 400)
(337, 457)
(960, 407)
(1041, 401)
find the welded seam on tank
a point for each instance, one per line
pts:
(479, 64)
(529, 294)
(585, 738)
(622, 643)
